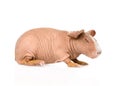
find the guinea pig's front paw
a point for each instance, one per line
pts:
(79, 62)
(82, 63)
(72, 64)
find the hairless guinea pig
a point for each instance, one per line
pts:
(46, 45)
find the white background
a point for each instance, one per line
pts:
(18, 16)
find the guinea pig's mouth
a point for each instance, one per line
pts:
(96, 54)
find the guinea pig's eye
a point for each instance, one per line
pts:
(87, 40)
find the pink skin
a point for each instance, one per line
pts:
(46, 45)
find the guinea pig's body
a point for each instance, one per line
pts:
(47, 45)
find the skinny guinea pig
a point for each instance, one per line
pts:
(46, 45)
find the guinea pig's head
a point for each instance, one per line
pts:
(85, 43)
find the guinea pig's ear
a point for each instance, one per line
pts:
(92, 32)
(75, 34)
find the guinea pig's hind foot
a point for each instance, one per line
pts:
(36, 62)
(31, 62)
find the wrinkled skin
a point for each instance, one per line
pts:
(46, 45)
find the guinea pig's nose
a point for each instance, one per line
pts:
(99, 52)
